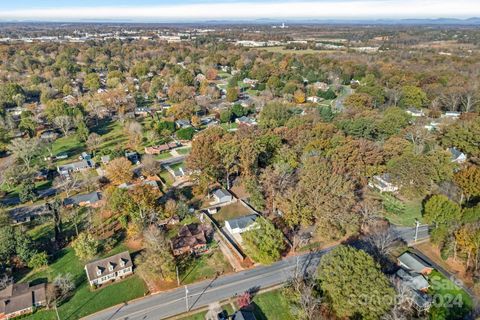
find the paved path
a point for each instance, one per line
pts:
(167, 304)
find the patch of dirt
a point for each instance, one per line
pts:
(134, 244)
(158, 285)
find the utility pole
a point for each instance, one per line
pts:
(296, 267)
(178, 278)
(417, 224)
(56, 310)
(186, 297)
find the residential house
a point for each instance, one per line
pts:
(161, 148)
(142, 111)
(383, 183)
(246, 121)
(21, 298)
(109, 269)
(82, 165)
(84, 200)
(191, 239)
(416, 289)
(457, 156)
(251, 82)
(243, 314)
(222, 196)
(27, 213)
(452, 115)
(132, 156)
(182, 124)
(415, 112)
(314, 99)
(105, 159)
(413, 263)
(241, 224)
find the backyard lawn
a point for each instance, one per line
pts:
(449, 301)
(231, 211)
(184, 151)
(405, 212)
(84, 301)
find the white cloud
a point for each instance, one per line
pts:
(315, 9)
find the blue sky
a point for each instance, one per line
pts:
(168, 10)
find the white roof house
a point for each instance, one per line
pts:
(222, 196)
(241, 224)
(457, 155)
(383, 183)
(415, 112)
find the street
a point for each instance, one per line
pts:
(167, 304)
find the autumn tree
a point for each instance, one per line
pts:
(413, 97)
(232, 94)
(354, 284)
(468, 179)
(119, 170)
(274, 115)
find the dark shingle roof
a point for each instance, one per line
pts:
(76, 200)
(242, 222)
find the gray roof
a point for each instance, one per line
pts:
(242, 222)
(103, 264)
(21, 214)
(243, 315)
(413, 262)
(88, 197)
(413, 280)
(220, 193)
(455, 153)
(83, 164)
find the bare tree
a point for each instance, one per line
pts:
(93, 142)
(66, 185)
(25, 149)
(384, 240)
(403, 306)
(304, 298)
(150, 165)
(64, 123)
(62, 286)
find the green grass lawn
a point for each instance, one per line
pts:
(231, 211)
(167, 177)
(84, 301)
(449, 300)
(272, 305)
(410, 211)
(70, 145)
(184, 151)
(205, 267)
(162, 156)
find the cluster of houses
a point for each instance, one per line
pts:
(412, 275)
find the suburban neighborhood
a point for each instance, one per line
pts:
(244, 171)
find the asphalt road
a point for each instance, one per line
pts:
(170, 303)
(167, 304)
(408, 233)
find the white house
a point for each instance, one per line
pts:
(415, 112)
(222, 196)
(383, 183)
(451, 114)
(457, 155)
(109, 269)
(241, 224)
